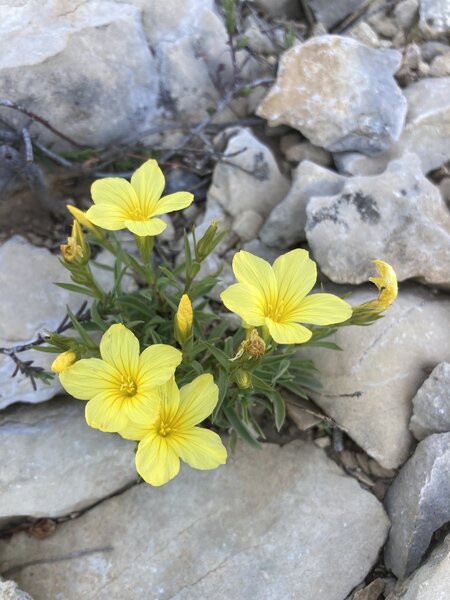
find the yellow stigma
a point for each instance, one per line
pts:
(128, 386)
(164, 429)
(62, 361)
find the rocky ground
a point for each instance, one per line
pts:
(318, 124)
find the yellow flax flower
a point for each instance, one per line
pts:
(175, 434)
(63, 360)
(386, 284)
(119, 204)
(121, 385)
(275, 296)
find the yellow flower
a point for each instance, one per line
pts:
(175, 434)
(386, 284)
(275, 296)
(64, 360)
(119, 204)
(183, 319)
(121, 385)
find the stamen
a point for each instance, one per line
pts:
(128, 386)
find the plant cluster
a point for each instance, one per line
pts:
(157, 361)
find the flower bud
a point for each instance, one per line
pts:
(206, 245)
(64, 360)
(243, 379)
(183, 320)
(81, 217)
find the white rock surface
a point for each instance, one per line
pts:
(431, 581)
(431, 404)
(426, 133)
(250, 180)
(338, 93)
(285, 225)
(417, 504)
(9, 590)
(270, 524)
(434, 17)
(54, 464)
(105, 70)
(368, 387)
(398, 216)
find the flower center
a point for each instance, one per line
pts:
(128, 386)
(164, 429)
(138, 215)
(275, 311)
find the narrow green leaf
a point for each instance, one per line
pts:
(71, 287)
(279, 409)
(80, 330)
(220, 356)
(239, 427)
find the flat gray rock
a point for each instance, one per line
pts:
(285, 225)
(368, 387)
(398, 216)
(426, 132)
(431, 404)
(9, 590)
(54, 464)
(431, 581)
(434, 17)
(325, 89)
(418, 503)
(331, 13)
(277, 523)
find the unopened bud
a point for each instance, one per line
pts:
(64, 360)
(206, 245)
(183, 319)
(243, 379)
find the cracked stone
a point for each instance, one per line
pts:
(431, 412)
(249, 180)
(426, 132)
(417, 503)
(398, 216)
(277, 515)
(54, 464)
(368, 387)
(431, 581)
(285, 225)
(324, 90)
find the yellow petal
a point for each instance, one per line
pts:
(322, 309)
(63, 361)
(295, 274)
(200, 448)
(119, 347)
(114, 191)
(144, 228)
(258, 274)
(89, 376)
(135, 431)
(156, 461)
(242, 300)
(142, 408)
(172, 202)
(148, 184)
(106, 412)
(169, 397)
(197, 401)
(288, 333)
(157, 365)
(108, 216)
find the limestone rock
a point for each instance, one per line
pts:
(269, 525)
(426, 133)
(9, 590)
(296, 149)
(285, 225)
(431, 412)
(325, 89)
(279, 8)
(331, 13)
(431, 581)
(55, 464)
(417, 503)
(368, 387)
(398, 216)
(434, 17)
(440, 67)
(250, 180)
(406, 13)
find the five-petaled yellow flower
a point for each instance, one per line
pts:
(121, 385)
(275, 296)
(175, 435)
(119, 204)
(386, 284)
